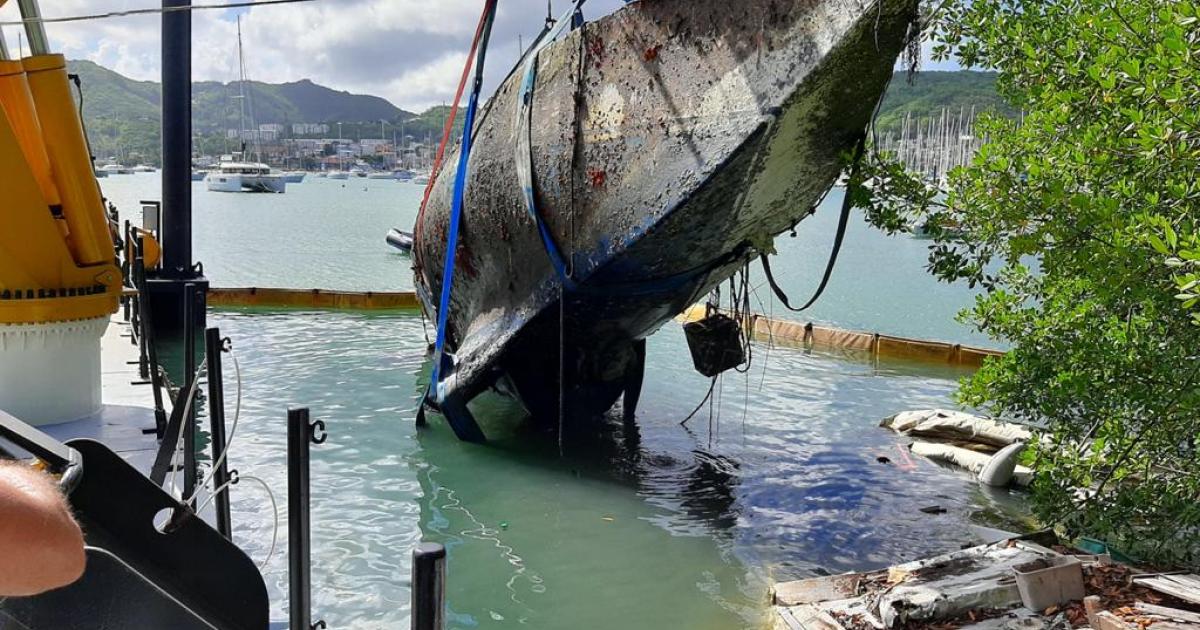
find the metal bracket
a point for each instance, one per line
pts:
(317, 432)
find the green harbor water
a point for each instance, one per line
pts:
(673, 527)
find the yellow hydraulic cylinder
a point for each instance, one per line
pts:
(17, 102)
(62, 132)
(39, 278)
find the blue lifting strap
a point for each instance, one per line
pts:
(524, 147)
(440, 360)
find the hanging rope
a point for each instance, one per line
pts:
(843, 221)
(460, 184)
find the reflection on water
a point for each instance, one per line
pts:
(661, 527)
(667, 527)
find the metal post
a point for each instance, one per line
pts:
(213, 346)
(177, 140)
(189, 371)
(300, 434)
(35, 31)
(147, 338)
(429, 587)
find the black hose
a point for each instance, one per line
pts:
(843, 221)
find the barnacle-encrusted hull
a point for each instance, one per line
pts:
(671, 141)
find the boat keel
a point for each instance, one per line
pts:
(635, 374)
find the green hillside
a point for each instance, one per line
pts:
(122, 115)
(928, 93)
(216, 105)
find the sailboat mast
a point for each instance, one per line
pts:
(241, 90)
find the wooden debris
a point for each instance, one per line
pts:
(1185, 587)
(1105, 620)
(816, 590)
(1168, 613)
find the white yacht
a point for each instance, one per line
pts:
(339, 175)
(294, 177)
(114, 169)
(245, 177)
(235, 173)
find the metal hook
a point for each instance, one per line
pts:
(317, 432)
(226, 344)
(234, 478)
(319, 624)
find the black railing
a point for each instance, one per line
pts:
(429, 587)
(144, 329)
(214, 345)
(189, 376)
(301, 434)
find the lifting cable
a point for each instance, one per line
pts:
(482, 34)
(843, 220)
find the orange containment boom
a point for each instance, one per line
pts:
(56, 253)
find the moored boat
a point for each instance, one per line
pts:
(114, 169)
(245, 177)
(400, 239)
(671, 142)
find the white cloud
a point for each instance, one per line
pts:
(408, 51)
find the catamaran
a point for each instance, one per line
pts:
(238, 176)
(234, 173)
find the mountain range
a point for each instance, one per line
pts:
(122, 114)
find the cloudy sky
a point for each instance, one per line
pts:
(408, 51)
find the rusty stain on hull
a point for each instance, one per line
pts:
(673, 140)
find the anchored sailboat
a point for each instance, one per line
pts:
(234, 173)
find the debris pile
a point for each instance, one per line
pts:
(1000, 586)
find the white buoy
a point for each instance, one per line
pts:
(998, 472)
(50, 373)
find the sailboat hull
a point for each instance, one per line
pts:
(673, 140)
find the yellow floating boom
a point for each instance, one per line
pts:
(807, 335)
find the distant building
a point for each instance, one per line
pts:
(309, 129)
(375, 146)
(274, 128)
(252, 135)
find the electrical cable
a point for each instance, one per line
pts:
(274, 514)
(237, 412)
(150, 11)
(187, 408)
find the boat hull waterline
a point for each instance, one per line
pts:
(672, 141)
